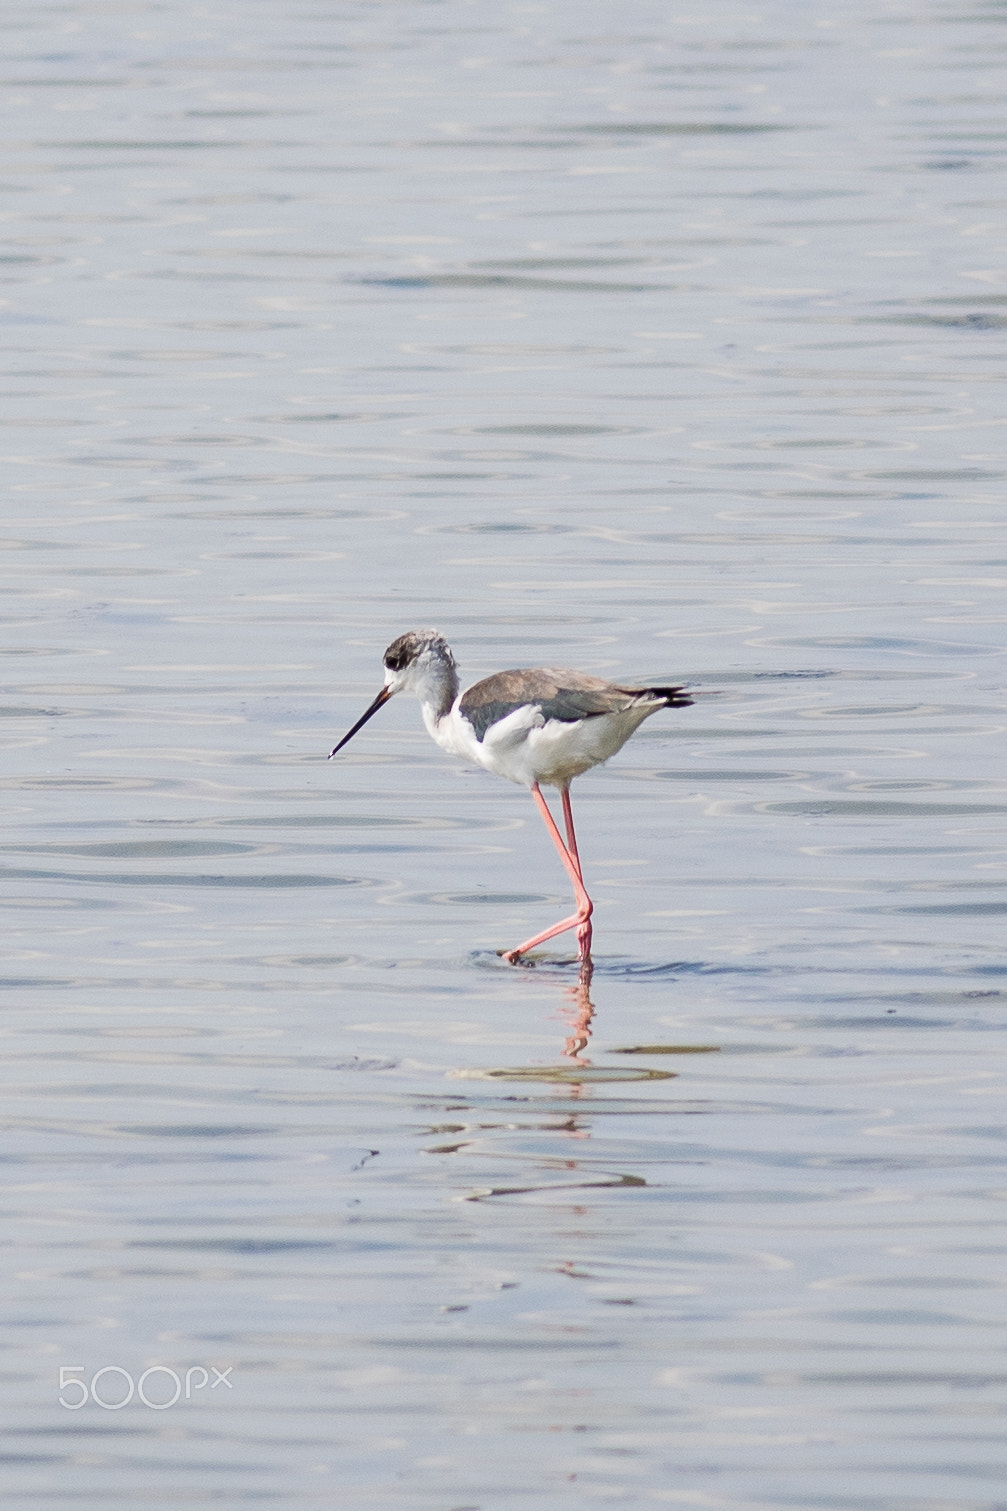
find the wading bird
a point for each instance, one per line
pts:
(534, 726)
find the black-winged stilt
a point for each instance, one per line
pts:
(539, 725)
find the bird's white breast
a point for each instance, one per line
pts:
(525, 747)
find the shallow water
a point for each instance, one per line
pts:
(660, 345)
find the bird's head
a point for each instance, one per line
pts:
(415, 662)
(414, 658)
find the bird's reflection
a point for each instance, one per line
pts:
(577, 1011)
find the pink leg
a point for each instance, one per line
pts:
(571, 838)
(581, 920)
(584, 932)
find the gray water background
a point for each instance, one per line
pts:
(659, 341)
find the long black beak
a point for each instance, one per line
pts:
(382, 697)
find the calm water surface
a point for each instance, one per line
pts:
(656, 341)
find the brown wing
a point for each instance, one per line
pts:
(559, 694)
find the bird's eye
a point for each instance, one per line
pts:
(395, 662)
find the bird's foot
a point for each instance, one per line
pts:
(580, 921)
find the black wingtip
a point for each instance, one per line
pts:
(674, 697)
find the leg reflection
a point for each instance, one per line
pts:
(578, 1010)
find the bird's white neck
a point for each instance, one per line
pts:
(436, 686)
